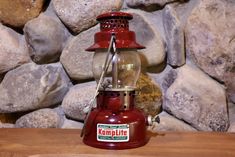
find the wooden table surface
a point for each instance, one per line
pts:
(67, 143)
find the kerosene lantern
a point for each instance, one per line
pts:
(114, 122)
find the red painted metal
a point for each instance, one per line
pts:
(114, 15)
(106, 113)
(111, 107)
(115, 23)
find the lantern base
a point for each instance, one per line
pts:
(122, 130)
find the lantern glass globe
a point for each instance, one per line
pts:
(123, 71)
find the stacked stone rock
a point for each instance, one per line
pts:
(46, 76)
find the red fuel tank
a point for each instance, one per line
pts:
(115, 127)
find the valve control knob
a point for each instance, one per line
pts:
(151, 119)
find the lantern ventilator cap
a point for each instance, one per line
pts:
(115, 23)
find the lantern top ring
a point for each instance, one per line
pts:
(114, 15)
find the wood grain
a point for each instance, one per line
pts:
(67, 143)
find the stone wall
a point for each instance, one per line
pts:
(188, 75)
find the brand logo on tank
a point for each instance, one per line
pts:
(113, 132)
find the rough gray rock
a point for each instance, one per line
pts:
(150, 37)
(6, 125)
(13, 49)
(165, 78)
(46, 38)
(211, 40)
(76, 61)
(50, 11)
(231, 108)
(155, 18)
(1, 77)
(77, 99)
(150, 5)
(43, 118)
(184, 10)
(231, 127)
(170, 123)
(71, 124)
(80, 15)
(198, 100)
(174, 36)
(32, 86)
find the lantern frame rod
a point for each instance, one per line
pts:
(90, 106)
(112, 46)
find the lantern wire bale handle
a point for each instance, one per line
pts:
(91, 104)
(112, 46)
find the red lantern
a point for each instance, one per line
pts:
(114, 122)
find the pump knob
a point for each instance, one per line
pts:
(157, 119)
(151, 119)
